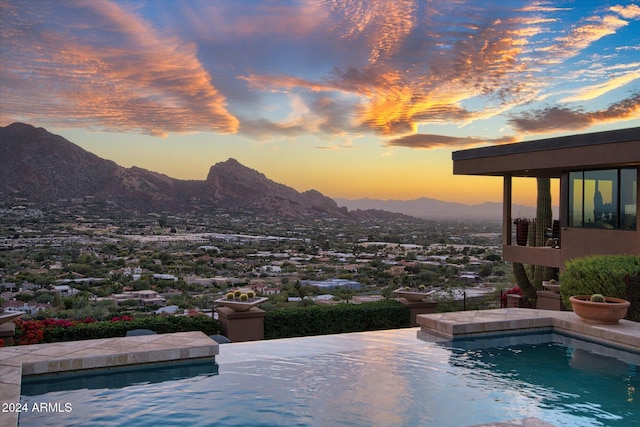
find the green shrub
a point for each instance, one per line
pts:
(335, 319)
(109, 329)
(598, 274)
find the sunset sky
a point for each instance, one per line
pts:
(352, 98)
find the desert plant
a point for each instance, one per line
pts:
(244, 297)
(598, 274)
(237, 293)
(251, 294)
(230, 295)
(597, 298)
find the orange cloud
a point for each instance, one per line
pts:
(631, 11)
(384, 24)
(141, 81)
(335, 67)
(431, 141)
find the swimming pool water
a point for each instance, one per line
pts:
(561, 380)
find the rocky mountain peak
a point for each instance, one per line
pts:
(42, 168)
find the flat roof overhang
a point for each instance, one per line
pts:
(548, 158)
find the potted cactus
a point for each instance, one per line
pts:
(597, 308)
(594, 286)
(240, 301)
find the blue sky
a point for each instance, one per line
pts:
(352, 98)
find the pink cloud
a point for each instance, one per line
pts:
(142, 80)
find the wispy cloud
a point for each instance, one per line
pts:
(552, 119)
(330, 68)
(582, 36)
(631, 11)
(594, 91)
(431, 141)
(141, 80)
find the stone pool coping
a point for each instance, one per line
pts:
(37, 359)
(625, 334)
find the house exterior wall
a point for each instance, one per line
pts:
(556, 158)
(580, 242)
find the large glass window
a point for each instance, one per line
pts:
(575, 199)
(603, 198)
(628, 199)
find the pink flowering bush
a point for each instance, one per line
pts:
(513, 291)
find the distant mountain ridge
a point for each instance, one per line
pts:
(437, 209)
(41, 168)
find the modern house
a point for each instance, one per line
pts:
(598, 176)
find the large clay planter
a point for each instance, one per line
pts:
(607, 313)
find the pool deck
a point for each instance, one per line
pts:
(464, 324)
(37, 359)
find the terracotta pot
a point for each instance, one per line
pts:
(607, 313)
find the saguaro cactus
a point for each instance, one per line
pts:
(544, 218)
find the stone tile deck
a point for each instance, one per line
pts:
(625, 334)
(19, 361)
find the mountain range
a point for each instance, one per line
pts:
(438, 209)
(40, 168)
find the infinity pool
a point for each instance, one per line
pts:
(385, 378)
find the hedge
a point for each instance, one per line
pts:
(111, 329)
(598, 274)
(335, 319)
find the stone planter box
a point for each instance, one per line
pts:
(413, 295)
(555, 287)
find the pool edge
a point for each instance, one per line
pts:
(19, 361)
(476, 323)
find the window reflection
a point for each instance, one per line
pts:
(603, 198)
(628, 198)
